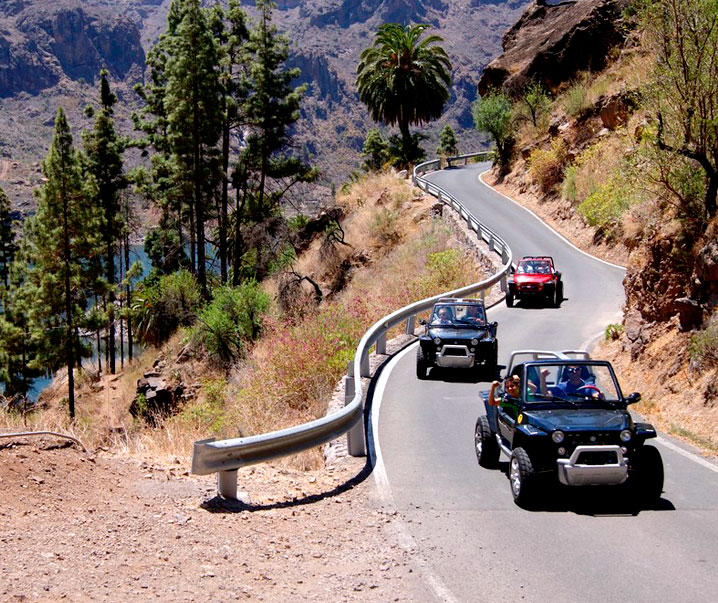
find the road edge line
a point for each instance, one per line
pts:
(551, 228)
(381, 481)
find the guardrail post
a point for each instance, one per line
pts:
(410, 325)
(504, 284)
(365, 368)
(227, 483)
(491, 243)
(381, 344)
(356, 442)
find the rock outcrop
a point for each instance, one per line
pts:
(552, 43)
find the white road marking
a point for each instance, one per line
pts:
(382, 484)
(689, 455)
(558, 234)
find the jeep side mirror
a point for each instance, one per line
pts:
(633, 398)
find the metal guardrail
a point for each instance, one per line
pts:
(224, 457)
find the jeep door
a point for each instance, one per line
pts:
(506, 418)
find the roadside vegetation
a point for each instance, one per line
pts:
(288, 373)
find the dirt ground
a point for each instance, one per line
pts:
(74, 527)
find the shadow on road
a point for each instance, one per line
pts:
(597, 501)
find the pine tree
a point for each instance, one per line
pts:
(271, 108)
(447, 142)
(62, 243)
(231, 33)
(8, 246)
(160, 185)
(103, 151)
(193, 107)
(16, 349)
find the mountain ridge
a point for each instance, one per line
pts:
(51, 54)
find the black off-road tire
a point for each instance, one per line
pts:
(509, 299)
(485, 445)
(522, 478)
(559, 293)
(421, 364)
(646, 479)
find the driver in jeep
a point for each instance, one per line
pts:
(575, 385)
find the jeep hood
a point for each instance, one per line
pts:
(570, 419)
(532, 278)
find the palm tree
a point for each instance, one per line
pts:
(404, 80)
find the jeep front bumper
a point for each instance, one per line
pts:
(593, 466)
(454, 356)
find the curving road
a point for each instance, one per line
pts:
(471, 542)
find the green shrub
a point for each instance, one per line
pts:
(207, 414)
(613, 331)
(233, 317)
(384, 226)
(444, 270)
(606, 204)
(546, 165)
(568, 186)
(163, 304)
(703, 347)
(298, 222)
(576, 99)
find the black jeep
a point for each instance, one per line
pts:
(568, 417)
(458, 336)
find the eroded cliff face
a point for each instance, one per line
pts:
(551, 43)
(42, 42)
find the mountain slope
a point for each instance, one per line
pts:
(50, 53)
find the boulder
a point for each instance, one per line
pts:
(552, 44)
(690, 313)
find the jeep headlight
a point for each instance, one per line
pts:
(437, 340)
(474, 341)
(626, 435)
(557, 436)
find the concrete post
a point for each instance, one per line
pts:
(227, 483)
(356, 441)
(381, 344)
(410, 325)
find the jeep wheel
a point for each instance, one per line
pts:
(509, 298)
(559, 293)
(647, 474)
(487, 449)
(521, 476)
(421, 364)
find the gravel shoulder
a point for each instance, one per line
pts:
(105, 528)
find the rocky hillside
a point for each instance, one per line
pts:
(51, 53)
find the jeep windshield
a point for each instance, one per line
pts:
(458, 316)
(571, 383)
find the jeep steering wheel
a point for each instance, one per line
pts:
(588, 389)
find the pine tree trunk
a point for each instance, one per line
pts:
(199, 210)
(224, 202)
(69, 351)
(129, 297)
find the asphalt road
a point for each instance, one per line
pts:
(471, 542)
